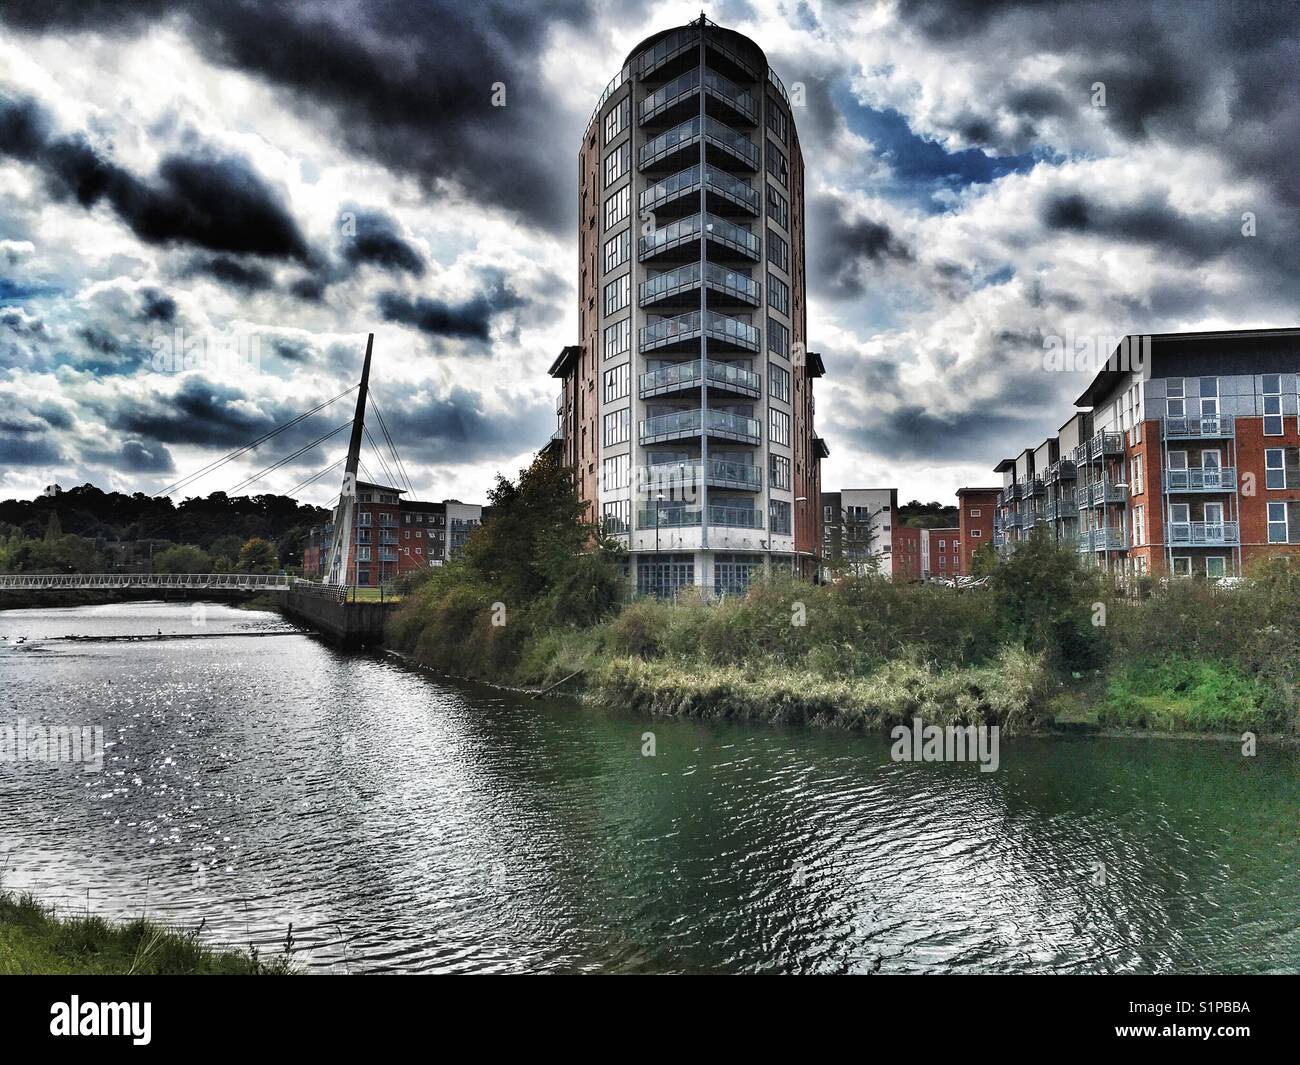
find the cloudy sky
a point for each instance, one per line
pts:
(981, 176)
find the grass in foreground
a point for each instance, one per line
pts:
(34, 941)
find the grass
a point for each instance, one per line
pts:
(34, 941)
(1182, 695)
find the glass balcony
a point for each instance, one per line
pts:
(670, 143)
(666, 238)
(721, 474)
(1219, 479)
(685, 328)
(732, 191)
(733, 143)
(1104, 444)
(1204, 534)
(687, 375)
(678, 89)
(683, 424)
(720, 231)
(1216, 427)
(735, 517)
(668, 517)
(665, 49)
(739, 192)
(685, 279)
(1102, 492)
(737, 99)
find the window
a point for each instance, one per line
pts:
(777, 165)
(778, 382)
(616, 473)
(617, 163)
(617, 250)
(663, 575)
(618, 426)
(779, 514)
(826, 514)
(776, 120)
(779, 426)
(1215, 567)
(778, 251)
(1209, 397)
(1182, 566)
(1175, 404)
(1139, 526)
(617, 516)
(1277, 524)
(778, 208)
(618, 382)
(618, 338)
(616, 120)
(616, 207)
(975, 533)
(778, 338)
(1135, 476)
(1272, 404)
(1275, 467)
(779, 472)
(778, 294)
(618, 293)
(975, 512)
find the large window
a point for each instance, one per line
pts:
(618, 293)
(778, 382)
(616, 120)
(779, 516)
(1209, 397)
(778, 251)
(617, 163)
(1282, 467)
(1277, 523)
(779, 426)
(618, 382)
(617, 516)
(618, 338)
(778, 294)
(617, 250)
(777, 165)
(732, 573)
(778, 208)
(778, 338)
(618, 427)
(617, 206)
(779, 471)
(1272, 404)
(616, 473)
(776, 120)
(664, 575)
(1175, 404)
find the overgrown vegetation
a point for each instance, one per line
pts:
(33, 940)
(528, 606)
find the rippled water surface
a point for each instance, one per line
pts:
(402, 824)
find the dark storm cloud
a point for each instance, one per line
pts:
(408, 84)
(470, 320)
(847, 248)
(207, 413)
(157, 306)
(250, 277)
(915, 432)
(133, 457)
(377, 241)
(458, 428)
(206, 199)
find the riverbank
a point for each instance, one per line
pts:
(35, 941)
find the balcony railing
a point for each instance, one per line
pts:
(1218, 427)
(721, 474)
(741, 192)
(676, 517)
(1104, 444)
(726, 90)
(686, 278)
(659, 101)
(687, 423)
(687, 181)
(736, 517)
(1034, 487)
(685, 327)
(1102, 492)
(1108, 539)
(1209, 534)
(687, 374)
(733, 142)
(1217, 479)
(718, 230)
(670, 141)
(664, 237)
(1061, 470)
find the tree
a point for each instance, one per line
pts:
(258, 556)
(182, 558)
(984, 561)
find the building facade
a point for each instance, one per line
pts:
(1184, 462)
(686, 410)
(976, 510)
(943, 552)
(858, 527)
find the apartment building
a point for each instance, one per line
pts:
(943, 552)
(1185, 459)
(858, 527)
(686, 409)
(906, 551)
(394, 536)
(976, 514)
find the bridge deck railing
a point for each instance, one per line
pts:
(232, 581)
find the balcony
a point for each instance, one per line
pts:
(1214, 427)
(680, 333)
(1108, 539)
(730, 286)
(1033, 487)
(673, 476)
(686, 375)
(679, 95)
(677, 517)
(1204, 534)
(723, 145)
(1105, 444)
(681, 190)
(1103, 492)
(678, 240)
(733, 101)
(1218, 479)
(1061, 508)
(1062, 470)
(682, 425)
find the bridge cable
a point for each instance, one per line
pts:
(397, 457)
(290, 457)
(216, 463)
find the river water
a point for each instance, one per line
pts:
(255, 778)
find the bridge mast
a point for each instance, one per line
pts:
(340, 542)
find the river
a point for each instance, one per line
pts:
(255, 778)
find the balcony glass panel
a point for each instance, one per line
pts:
(732, 93)
(673, 138)
(720, 133)
(660, 191)
(1220, 479)
(735, 517)
(673, 91)
(734, 187)
(663, 236)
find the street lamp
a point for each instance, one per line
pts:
(659, 499)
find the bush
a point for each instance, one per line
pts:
(1181, 695)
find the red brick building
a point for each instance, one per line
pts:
(906, 551)
(943, 553)
(976, 508)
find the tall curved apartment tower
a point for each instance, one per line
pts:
(687, 410)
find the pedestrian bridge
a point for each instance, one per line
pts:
(232, 582)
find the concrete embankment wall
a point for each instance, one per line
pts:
(346, 624)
